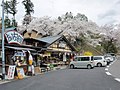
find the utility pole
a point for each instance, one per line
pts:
(3, 50)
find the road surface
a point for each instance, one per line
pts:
(67, 79)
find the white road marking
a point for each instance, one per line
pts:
(108, 73)
(117, 79)
(107, 66)
(106, 69)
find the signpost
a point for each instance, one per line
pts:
(3, 53)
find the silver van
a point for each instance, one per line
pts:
(82, 62)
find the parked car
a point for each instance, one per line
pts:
(82, 62)
(109, 57)
(99, 61)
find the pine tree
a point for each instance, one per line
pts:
(28, 9)
(28, 6)
(10, 8)
(7, 22)
(6, 7)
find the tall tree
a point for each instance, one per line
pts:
(109, 45)
(28, 6)
(6, 6)
(7, 22)
(28, 9)
(10, 8)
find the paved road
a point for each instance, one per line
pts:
(68, 79)
(114, 69)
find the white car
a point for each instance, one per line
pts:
(82, 62)
(109, 58)
(99, 61)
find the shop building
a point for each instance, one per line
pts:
(59, 47)
(53, 47)
(17, 50)
(50, 49)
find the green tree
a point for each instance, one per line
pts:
(6, 7)
(7, 22)
(81, 17)
(28, 6)
(10, 8)
(28, 9)
(109, 45)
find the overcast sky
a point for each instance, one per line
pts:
(100, 11)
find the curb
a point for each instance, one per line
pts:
(4, 81)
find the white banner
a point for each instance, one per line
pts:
(11, 71)
(14, 37)
(64, 57)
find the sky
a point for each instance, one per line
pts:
(99, 11)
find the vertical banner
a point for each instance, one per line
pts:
(30, 59)
(11, 71)
(64, 57)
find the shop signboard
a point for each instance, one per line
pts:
(20, 54)
(11, 71)
(14, 37)
(20, 72)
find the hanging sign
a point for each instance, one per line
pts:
(14, 37)
(19, 54)
(11, 71)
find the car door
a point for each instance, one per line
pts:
(79, 63)
(96, 60)
(75, 62)
(85, 61)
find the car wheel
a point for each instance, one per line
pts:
(99, 65)
(71, 66)
(89, 66)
